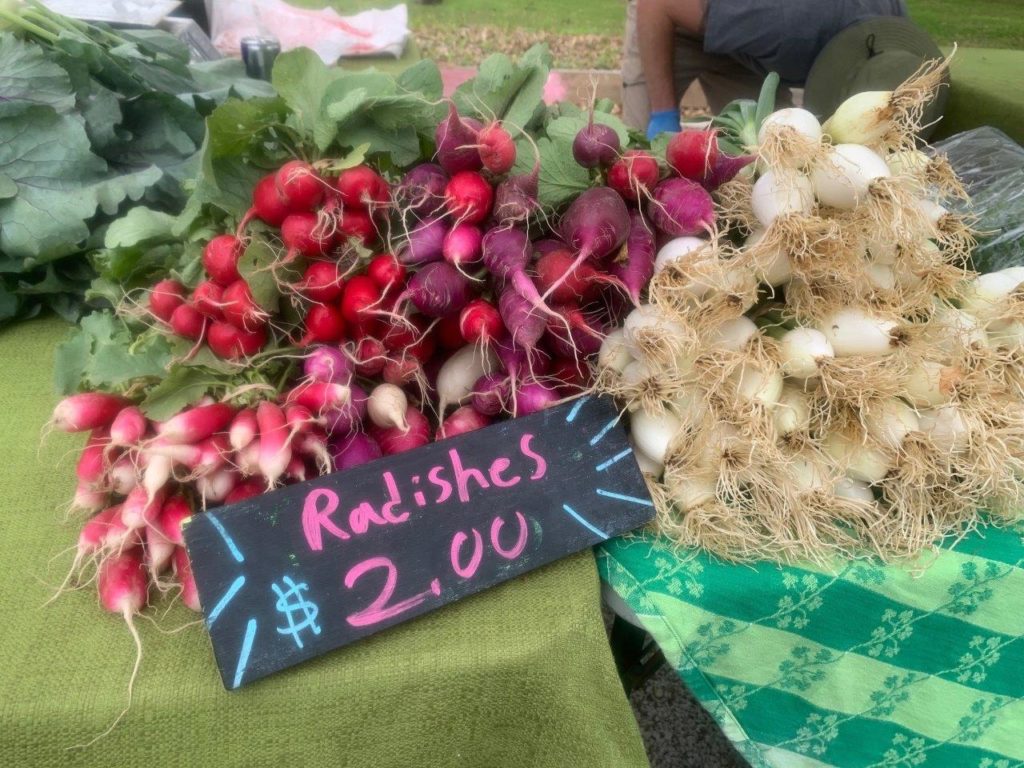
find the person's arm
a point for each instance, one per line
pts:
(656, 23)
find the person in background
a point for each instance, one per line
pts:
(728, 46)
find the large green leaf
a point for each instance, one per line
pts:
(61, 184)
(302, 79)
(236, 125)
(137, 226)
(506, 90)
(29, 78)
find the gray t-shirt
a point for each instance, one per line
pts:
(784, 36)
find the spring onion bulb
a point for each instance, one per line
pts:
(947, 428)
(807, 474)
(880, 276)
(801, 351)
(690, 403)
(1009, 336)
(636, 373)
(693, 491)
(907, 161)
(723, 438)
(776, 194)
(959, 328)
(803, 123)
(614, 353)
(930, 383)
(755, 384)
(861, 119)
(853, 490)
(986, 296)
(882, 250)
(891, 421)
(732, 335)
(654, 432)
(792, 412)
(852, 331)
(675, 250)
(646, 323)
(777, 269)
(861, 462)
(842, 179)
(648, 466)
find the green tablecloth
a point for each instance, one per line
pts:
(895, 667)
(520, 675)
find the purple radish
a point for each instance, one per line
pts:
(596, 145)
(637, 269)
(681, 207)
(421, 190)
(425, 243)
(456, 139)
(438, 290)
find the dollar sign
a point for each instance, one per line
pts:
(291, 603)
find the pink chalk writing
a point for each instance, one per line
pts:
(379, 610)
(314, 518)
(518, 547)
(458, 540)
(524, 447)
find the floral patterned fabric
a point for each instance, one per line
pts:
(866, 665)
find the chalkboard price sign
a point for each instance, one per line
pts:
(292, 574)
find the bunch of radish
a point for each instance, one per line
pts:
(823, 374)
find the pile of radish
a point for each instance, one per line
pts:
(823, 374)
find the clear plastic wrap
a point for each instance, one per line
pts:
(991, 166)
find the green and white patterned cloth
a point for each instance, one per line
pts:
(867, 666)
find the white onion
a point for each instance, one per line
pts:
(860, 461)
(645, 318)
(801, 121)
(776, 195)
(929, 383)
(636, 373)
(778, 270)
(986, 295)
(792, 412)
(891, 421)
(882, 250)
(853, 490)
(733, 334)
(854, 332)
(856, 120)
(690, 403)
(801, 350)
(880, 276)
(694, 491)
(1009, 336)
(947, 428)
(716, 442)
(614, 353)
(842, 179)
(959, 328)
(676, 249)
(648, 466)
(806, 473)
(653, 433)
(907, 161)
(754, 384)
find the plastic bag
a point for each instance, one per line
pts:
(370, 33)
(991, 166)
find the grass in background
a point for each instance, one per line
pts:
(589, 34)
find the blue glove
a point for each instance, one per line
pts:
(665, 120)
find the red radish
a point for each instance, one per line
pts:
(480, 322)
(468, 197)
(166, 296)
(302, 235)
(213, 453)
(158, 551)
(296, 469)
(497, 150)
(299, 186)
(357, 224)
(533, 397)
(353, 450)
(555, 268)
(215, 487)
(94, 533)
(298, 417)
(183, 572)
(573, 377)
(386, 272)
(176, 510)
(634, 174)
(358, 300)
(139, 509)
(197, 423)
(267, 204)
(348, 417)
(637, 269)
(491, 393)
(243, 429)
(395, 440)
(324, 325)
(464, 419)
(275, 452)
(128, 427)
(462, 245)
(595, 144)
(574, 332)
(362, 187)
(231, 343)
(401, 335)
(371, 355)
(317, 396)
(322, 281)
(456, 141)
(188, 322)
(240, 308)
(220, 259)
(425, 243)
(424, 347)
(92, 465)
(681, 207)
(328, 364)
(405, 370)
(88, 498)
(86, 411)
(248, 459)
(123, 475)
(178, 453)
(313, 445)
(421, 191)
(119, 536)
(207, 299)
(693, 153)
(448, 333)
(122, 584)
(244, 490)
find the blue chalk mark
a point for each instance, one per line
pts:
(576, 409)
(243, 657)
(288, 606)
(580, 519)
(604, 430)
(617, 457)
(223, 602)
(226, 536)
(621, 497)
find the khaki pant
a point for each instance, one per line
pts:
(722, 78)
